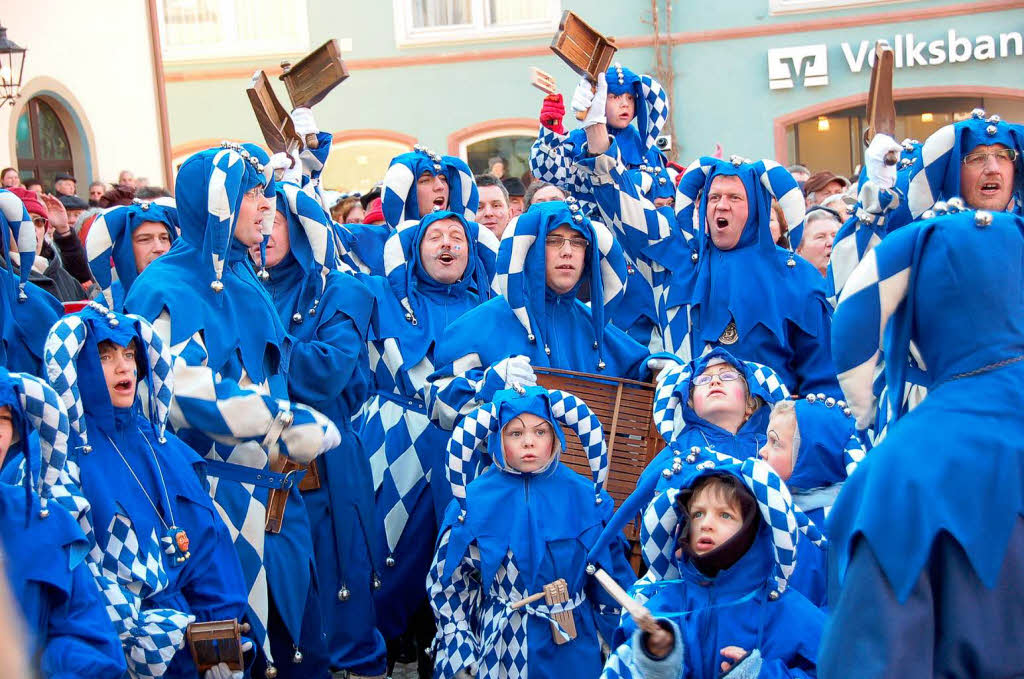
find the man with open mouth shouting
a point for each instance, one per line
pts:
(438, 268)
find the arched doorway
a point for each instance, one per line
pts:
(509, 139)
(43, 149)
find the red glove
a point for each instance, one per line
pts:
(551, 113)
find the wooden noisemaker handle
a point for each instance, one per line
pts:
(311, 142)
(632, 606)
(527, 600)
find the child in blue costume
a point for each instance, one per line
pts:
(160, 553)
(110, 244)
(812, 446)
(416, 184)
(727, 413)
(743, 292)
(538, 320)
(230, 363)
(326, 314)
(26, 311)
(69, 632)
(630, 97)
(525, 522)
(438, 268)
(928, 534)
(723, 546)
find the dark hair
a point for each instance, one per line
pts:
(122, 194)
(110, 345)
(728, 486)
(535, 186)
(483, 180)
(6, 170)
(31, 181)
(151, 192)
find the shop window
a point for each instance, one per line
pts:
(42, 145)
(512, 150)
(358, 164)
(419, 22)
(211, 29)
(792, 6)
(835, 141)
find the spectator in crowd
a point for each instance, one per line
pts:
(9, 178)
(65, 184)
(493, 212)
(34, 185)
(496, 166)
(814, 240)
(74, 206)
(48, 271)
(516, 191)
(841, 203)
(823, 184)
(122, 194)
(348, 209)
(779, 226)
(127, 177)
(96, 190)
(374, 213)
(800, 173)
(540, 191)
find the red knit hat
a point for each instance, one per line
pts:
(374, 212)
(31, 201)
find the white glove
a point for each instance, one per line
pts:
(884, 176)
(516, 370)
(592, 100)
(332, 437)
(222, 671)
(304, 123)
(278, 161)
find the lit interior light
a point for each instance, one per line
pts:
(927, 117)
(823, 124)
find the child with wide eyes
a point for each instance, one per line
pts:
(523, 524)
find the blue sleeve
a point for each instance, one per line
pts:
(813, 365)
(321, 369)
(81, 641)
(548, 159)
(216, 590)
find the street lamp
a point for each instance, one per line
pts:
(12, 60)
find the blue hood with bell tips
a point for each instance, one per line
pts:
(825, 432)
(937, 175)
(109, 243)
(755, 282)
(239, 319)
(510, 511)
(522, 268)
(414, 307)
(398, 197)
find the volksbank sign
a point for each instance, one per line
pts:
(808, 64)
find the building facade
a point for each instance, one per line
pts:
(90, 102)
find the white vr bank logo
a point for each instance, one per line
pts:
(809, 63)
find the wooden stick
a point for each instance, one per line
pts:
(527, 600)
(640, 614)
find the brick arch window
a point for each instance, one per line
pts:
(43, 148)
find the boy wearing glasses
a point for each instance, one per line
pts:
(547, 254)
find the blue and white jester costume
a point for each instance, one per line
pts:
(399, 202)
(160, 553)
(928, 175)
(109, 244)
(530, 319)
(757, 299)
(509, 533)
(231, 404)
(748, 604)
(928, 533)
(405, 449)
(326, 314)
(686, 433)
(27, 311)
(69, 632)
(553, 156)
